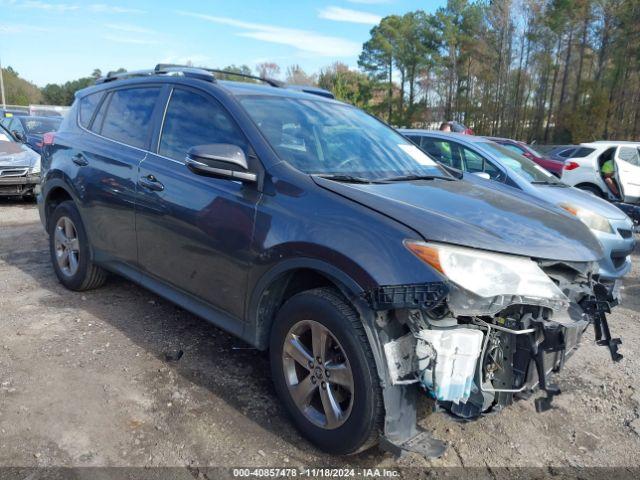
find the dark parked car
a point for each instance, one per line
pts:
(30, 129)
(309, 228)
(562, 152)
(549, 164)
(19, 167)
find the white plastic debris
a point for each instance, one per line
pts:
(456, 355)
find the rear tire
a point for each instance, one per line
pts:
(70, 252)
(354, 421)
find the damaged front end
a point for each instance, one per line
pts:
(492, 331)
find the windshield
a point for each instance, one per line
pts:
(40, 126)
(319, 137)
(529, 170)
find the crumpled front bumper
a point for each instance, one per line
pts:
(543, 345)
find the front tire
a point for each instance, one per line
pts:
(324, 372)
(69, 249)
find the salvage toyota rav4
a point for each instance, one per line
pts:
(307, 227)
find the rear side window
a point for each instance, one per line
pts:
(193, 119)
(582, 152)
(88, 105)
(128, 115)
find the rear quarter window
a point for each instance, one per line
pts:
(88, 106)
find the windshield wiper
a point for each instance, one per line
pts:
(408, 178)
(345, 178)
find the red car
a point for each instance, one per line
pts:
(553, 166)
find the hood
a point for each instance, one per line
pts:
(580, 198)
(14, 154)
(471, 215)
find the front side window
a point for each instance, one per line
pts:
(193, 119)
(128, 115)
(473, 162)
(321, 137)
(529, 170)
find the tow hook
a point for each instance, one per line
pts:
(597, 307)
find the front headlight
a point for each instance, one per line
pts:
(589, 218)
(485, 282)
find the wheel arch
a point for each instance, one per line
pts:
(285, 280)
(590, 186)
(55, 195)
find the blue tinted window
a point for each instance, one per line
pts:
(193, 119)
(88, 105)
(128, 117)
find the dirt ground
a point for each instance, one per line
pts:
(85, 381)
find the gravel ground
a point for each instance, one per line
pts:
(86, 380)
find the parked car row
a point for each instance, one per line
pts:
(371, 270)
(30, 129)
(495, 161)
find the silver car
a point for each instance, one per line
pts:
(492, 162)
(19, 167)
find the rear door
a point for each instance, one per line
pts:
(106, 167)
(628, 172)
(194, 232)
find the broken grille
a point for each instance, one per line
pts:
(14, 171)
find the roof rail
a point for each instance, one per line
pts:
(207, 74)
(111, 76)
(270, 81)
(312, 90)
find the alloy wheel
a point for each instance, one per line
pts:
(318, 374)
(67, 246)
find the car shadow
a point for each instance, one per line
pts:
(211, 358)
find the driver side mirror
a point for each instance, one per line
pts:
(18, 136)
(221, 160)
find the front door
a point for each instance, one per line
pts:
(194, 232)
(628, 172)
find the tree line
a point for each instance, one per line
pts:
(561, 71)
(549, 71)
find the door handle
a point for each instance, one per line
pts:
(151, 183)
(80, 160)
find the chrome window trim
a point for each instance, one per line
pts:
(121, 143)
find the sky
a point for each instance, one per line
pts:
(49, 41)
